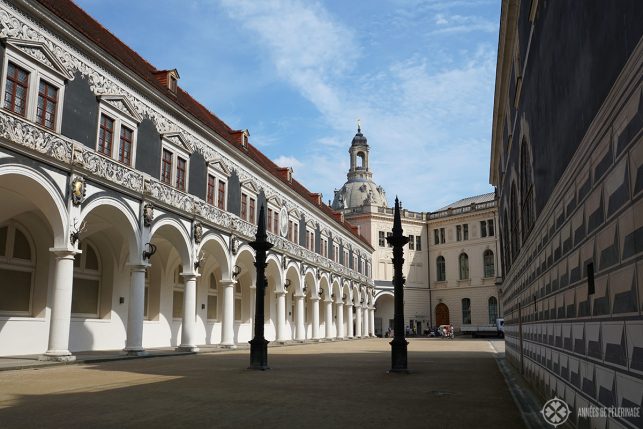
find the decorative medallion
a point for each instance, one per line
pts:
(198, 232)
(234, 245)
(77, 190)
(148, 214)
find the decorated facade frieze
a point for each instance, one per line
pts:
(28, 135)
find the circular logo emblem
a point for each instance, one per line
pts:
(283, 221)
(555, 412)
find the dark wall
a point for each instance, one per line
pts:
(198, 175)
(80, 112)
(148, 149)
(234, 194)
(302, 231)
(577, 51)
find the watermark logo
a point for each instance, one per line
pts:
(555, 412)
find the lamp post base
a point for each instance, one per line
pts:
(399, 355)
(259, 354)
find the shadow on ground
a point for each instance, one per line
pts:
(323, 385)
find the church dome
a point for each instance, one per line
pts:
(359, 190)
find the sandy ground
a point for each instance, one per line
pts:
(345, 384)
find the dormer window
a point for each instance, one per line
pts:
(168, 78)
(172, 83)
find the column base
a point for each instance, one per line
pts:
(339, 339)
(135, 351)
(189, 349)
(315, 340)
(300, 341)
(57, 356)
(228, 346)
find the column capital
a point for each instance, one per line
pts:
(315, 298)
(137, 266)
(280, 293)
(190, 276)
(64, 252)
(227, 283)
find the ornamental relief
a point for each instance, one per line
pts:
(14, 25)
(26, 134)
(108, 169)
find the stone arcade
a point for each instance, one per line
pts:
(127, 209)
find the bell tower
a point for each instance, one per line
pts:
(359, 157)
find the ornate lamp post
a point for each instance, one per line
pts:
(259, 345)
(399, 343)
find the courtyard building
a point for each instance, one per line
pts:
(451, 262)
(567, 162)
(127, 208)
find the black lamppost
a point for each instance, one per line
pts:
(259, 345)
(399, 343)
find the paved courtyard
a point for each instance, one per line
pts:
(453, 384)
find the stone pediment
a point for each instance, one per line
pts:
(179, 140)
(123, 105)
(40, 52)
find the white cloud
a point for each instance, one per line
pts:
(288, 161)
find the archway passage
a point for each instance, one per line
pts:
(384, 314)
(441, 314)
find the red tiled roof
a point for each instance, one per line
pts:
(77, 18)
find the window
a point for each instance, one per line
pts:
(465, 231)
(490, 228)
(116, 138)
(47, 101)
(441, 269)
(382, 239)
(346, 257)
(293, 231)
(269, 220)
(212, 188)
(174, 166)
(389, 234)
(177, 295)
(324, 247)
(15, 95)
(458, 232)
(310, 240)
(483, 228)
(493, 309)
(418, 243)
(244, 206)
(86, 287)
(217, 190)
(464, 266)
(436, 236)
(106, 135)
(442, 235)
(213, 299)
(466, 311)
(526, 191)
(252, 217)
(489, 270)
(354, 266)
(17, 267)
(221, 195)
(275, 222)
(411, 242)
(336, 253)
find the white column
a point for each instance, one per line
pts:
(281, 316)
(227, 336)
(329, 319)
(136, 311)
(188, 325)
(340, 320)
(365, 321)
(349, 310)
(301, 329)
(58, 349)
(371, 324)
(358, 323)
(315, 300)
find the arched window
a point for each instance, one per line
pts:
(17, 265)
(464, 266)
(466, 311)
(515, 224)
(86, 290)
(487, 257)
(213, 298)
(504, 239)
(526, 191)
(441, 269)
(493, 309)
(177, 296)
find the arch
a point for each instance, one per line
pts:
(382, 293)
(18, 269)
(463, 262)
(216, 245)
(173, 231)
(117, 210)
(442, 314)
(360, 160)
(292, 274)
(40, 192)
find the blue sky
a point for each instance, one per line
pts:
(419, 74)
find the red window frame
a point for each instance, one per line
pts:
(251, 217)
(244, 207)
(47, 103)
(106, 135)
(275, 222)
(221, 195)
(166, 169)
(125, 148)
(11, 91)
(269, 220)
(211, 189)
(180, 173)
